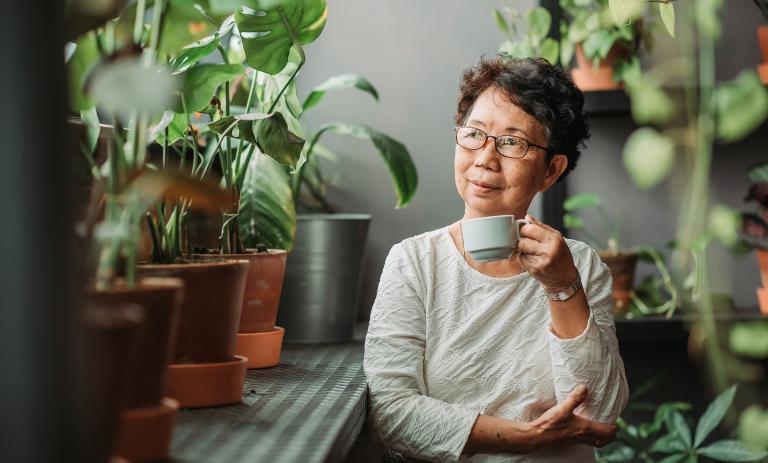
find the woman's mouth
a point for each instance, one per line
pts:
(482, 187)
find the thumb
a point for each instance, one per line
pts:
(575, 398)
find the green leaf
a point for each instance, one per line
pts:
(539, 22)
(339, 82)
(127, 85)
(674, 458)
(753, 427)
(667, 13)
(669, 443)
(182, 24)
(650, 104)
(501, 22)
(730, 450)
(750, 339)
(758, 173)
(267, 213)
(573, 222)
(621, 454)
(81, 62)
(394, 154)
(676, 423)
(201, 82)
(581, 201)
(566, 52)
(725, 224)
(714, 414)
(550, 50)
(92, 126)
(269, 32)
(624, 11)
(276, 141)
(189, 56)
(244, 126)
(648, 157)
(177, 127)
(742, 106)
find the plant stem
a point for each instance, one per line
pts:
(138, 23)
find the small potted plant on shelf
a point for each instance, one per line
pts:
(621, 261)
(755, 227)
(326, 254)
(762, 38)
(534, 41)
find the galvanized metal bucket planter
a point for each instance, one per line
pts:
(322, 278)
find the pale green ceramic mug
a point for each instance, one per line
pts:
(491, 238)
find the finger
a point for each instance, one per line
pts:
(534, 231)
(531, 219)
(575, 398)
(529, 247)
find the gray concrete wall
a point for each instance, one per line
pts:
(413, 52)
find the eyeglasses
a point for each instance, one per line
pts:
(509, 146)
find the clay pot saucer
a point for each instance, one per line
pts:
(144, 434)
(197, 385)
(262, 349)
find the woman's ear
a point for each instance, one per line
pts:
(555, 169)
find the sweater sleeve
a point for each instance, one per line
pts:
(401, 414)
(592, 358)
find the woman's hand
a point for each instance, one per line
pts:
(559, 426)
(545, 255)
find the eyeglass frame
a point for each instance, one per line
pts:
(495, 142)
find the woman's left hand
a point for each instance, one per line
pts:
(545, 255)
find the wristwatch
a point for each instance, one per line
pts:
(567, 293)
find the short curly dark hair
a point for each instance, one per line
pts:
(542, 90)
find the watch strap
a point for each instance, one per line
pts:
(567, 293)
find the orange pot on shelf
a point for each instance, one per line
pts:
(762, 293)
(205, 370)
(258, 339)
(589, 78)
(147, 417)
(622, 267)
(762, 38)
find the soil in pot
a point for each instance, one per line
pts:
(210, 312)
(161, 299)
(622, 267)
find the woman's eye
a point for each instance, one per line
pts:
(508, 141)
(474, 134)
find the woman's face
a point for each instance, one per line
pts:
(491, 184)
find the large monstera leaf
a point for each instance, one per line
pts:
(269, 28)
(267, 213)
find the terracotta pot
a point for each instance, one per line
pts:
(210, 312)
(762, 38)
(161, 299)
(110, 337)
(622, 267)
(588, 78)
(262, 289)
(762, 262)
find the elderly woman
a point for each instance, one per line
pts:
(512, 360)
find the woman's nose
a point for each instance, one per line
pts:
(486, 156)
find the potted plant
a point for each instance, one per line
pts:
(323, 274)
(621, 261)
(534, 40)
(131, 189)
(755, 227)
(606, 36)
(671, 437)
(762, 38)
(237, 135)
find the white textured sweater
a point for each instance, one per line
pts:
(446, 343)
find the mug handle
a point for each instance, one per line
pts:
(520, 223)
